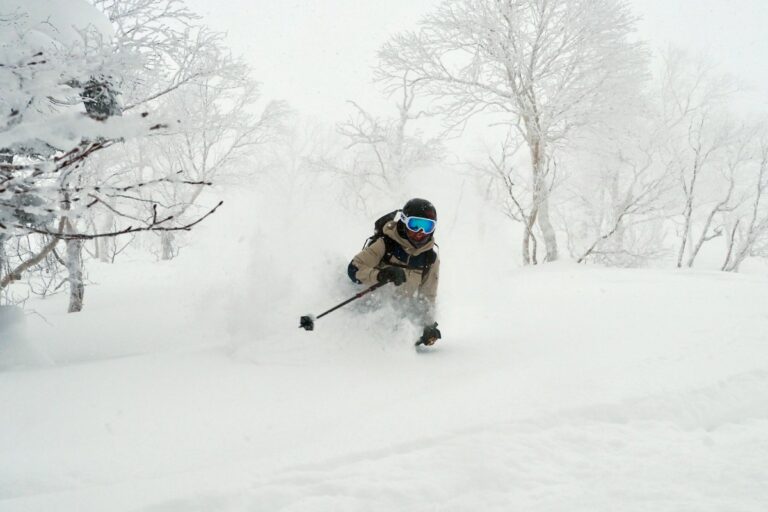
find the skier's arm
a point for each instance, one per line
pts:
(428, 292)
(428, 288)
(362, 269)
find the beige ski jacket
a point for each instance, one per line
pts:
(421, 278)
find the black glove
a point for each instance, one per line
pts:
(391, 275)
(431, 335)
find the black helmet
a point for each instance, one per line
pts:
(420, 208)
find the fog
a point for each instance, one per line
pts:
(319, 54)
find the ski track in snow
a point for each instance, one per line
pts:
(647, 391)
(679, 452)
(493, 466)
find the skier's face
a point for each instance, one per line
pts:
(418, 238)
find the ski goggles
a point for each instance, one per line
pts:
(417, 224)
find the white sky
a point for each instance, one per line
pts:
(318, 53)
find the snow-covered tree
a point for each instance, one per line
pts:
(58, 106)
(625, 202)
(222, 137)
(72, 80)
(703, 147)
(508, 185)
(379, 152)
(544, 67)
(747, 230)
(169, 43)
(390, 147)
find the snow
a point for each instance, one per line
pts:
(68, 129)
(61, 22)
(187, 385)
(45, 45)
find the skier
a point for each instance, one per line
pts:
(402, 251)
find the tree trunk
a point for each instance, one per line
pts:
(106, 244)
(618, 212)
(74, 263)
(2, 254)
(736, 263)
(97, 250)
(695, 248)
(166, 242)
(548, 232)
(15, 273)
(686, 233)
(690, 191)
(530, 244)
(541, 199)
(75, 271)
(727, 266)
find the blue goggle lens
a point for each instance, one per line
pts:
(417, 224)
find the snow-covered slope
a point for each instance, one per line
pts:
(559, 388)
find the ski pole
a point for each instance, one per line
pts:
(307, 322)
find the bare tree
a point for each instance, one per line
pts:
(748, 238)
(381, 151)
(222, 137)
(702, 147)
(308, 155)
(693, 163)
(629, 194)
(735, 157)
(545, 66)
(511, 189)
